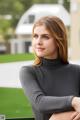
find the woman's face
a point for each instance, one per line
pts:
(43, 43)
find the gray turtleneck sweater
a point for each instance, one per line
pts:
(50, 86)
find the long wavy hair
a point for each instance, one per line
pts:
(57, 29)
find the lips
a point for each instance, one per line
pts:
(40, 49)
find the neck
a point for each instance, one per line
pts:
(51, 63)
(52, 57)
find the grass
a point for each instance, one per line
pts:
(13, 103)
(16, 57)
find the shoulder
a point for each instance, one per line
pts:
(74, 66)
(27, 69)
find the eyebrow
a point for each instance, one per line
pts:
(42, 34)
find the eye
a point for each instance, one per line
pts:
(35, 36)
(45, 37)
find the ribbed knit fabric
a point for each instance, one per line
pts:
(50, 86)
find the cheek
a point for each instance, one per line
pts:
(52, 45)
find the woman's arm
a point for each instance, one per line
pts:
(43, 103)
(76, 103)
(76, 100)
(72, 115)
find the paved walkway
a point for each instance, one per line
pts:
(9, 74)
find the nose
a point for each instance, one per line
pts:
(39, 40)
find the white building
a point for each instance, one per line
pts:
(24, 27)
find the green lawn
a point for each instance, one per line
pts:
(13, 103)
(16, 57)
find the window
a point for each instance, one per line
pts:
(31, 18)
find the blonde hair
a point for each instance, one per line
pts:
(58, 30)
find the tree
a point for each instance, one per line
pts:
(16, 8)
(66, 3)
(44, 1)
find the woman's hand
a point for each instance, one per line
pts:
(72, 115)
(76, 104)
(75, 116)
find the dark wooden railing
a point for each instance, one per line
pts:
(20, 119)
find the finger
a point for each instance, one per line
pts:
(77, 117)
(73, 115)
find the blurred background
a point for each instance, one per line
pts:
(18, 16)
(16, 21)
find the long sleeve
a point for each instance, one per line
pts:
(46, 104)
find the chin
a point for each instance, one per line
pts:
(40, 55)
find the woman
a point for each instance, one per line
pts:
(52, 84)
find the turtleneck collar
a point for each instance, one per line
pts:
(52, 63)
